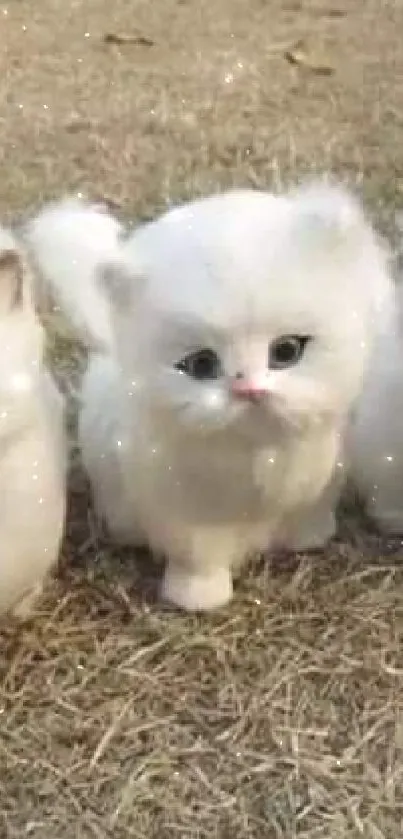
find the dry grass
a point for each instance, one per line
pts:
(281, 716)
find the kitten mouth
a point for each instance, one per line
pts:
(253, 398)
(247, 391)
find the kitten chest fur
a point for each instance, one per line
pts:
(227, 480)
(159, 479)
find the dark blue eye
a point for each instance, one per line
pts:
(286, 351)
(201, 365)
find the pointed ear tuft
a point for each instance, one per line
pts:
(11, 279)
(330, 222)
(330, 217)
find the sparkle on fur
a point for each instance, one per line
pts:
(224, 453)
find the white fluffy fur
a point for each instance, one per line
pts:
(205, 477)
(71, 240)
(375, 444)
(32, 456)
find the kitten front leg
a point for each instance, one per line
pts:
(196, 590)
(198, 576)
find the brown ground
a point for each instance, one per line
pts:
(281, 716)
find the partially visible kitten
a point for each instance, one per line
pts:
(375, 441)
(242, 325)
(32, 444)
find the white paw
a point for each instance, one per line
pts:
(197, 592)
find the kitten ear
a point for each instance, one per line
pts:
(330, 221)
(11, 277)
(329, 217)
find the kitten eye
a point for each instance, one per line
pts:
(286, 351)
(201, 365)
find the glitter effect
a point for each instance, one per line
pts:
(230, 75)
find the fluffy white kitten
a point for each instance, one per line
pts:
(375, 441)
(241, 327)
(32, 455)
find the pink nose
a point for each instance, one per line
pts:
(247, 389)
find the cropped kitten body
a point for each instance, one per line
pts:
(212, 427)
(375, 443)
(32, 445)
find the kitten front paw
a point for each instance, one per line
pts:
(197, 592)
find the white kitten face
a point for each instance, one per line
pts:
(257, 379)
(215, 379)
(251, 312)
